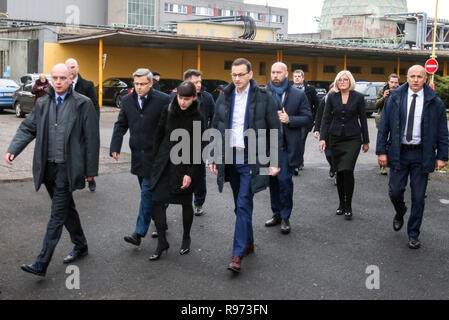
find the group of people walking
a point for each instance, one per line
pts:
(412, 140)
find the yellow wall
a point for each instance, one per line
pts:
(222, 31)
(123, 61)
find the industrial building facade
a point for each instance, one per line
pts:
(156, 13)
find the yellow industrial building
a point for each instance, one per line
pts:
(196, 46)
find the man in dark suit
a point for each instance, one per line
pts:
(65, 127)
(311, 94)
(413, 141)
(294, 114)
(243, 107)
(85, 87)
(140, 112)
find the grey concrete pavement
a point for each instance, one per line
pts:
(325, 256)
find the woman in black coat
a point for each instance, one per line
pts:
(173, 183)
(345, 127)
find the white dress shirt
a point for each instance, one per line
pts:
(74, 81)
(238, 118)
(416, 137)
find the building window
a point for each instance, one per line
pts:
(141, 12)
(329, 69)
(377, 70)
(175, 8)
(228, 65)
(354, 69)
(276, 19)
(203, 11)
(303, 67)
(212, 32)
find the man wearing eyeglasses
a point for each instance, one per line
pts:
(243, 107)
(140, 112)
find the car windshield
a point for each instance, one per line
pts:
(361, 87)
(8, 83)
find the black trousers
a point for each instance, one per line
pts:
(63, 213)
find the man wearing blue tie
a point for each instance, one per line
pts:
(412, 140)
(65, 126)
(240, 108)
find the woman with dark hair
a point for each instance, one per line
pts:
(345, 127)
(40, 87)
(172, 182)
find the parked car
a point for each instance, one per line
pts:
(115, 88)
(7, 89)
(32, 77)
(369, 90)
(169, 85)
(214, 87)
(24, 100)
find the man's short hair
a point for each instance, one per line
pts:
(192, 72)
(242, 61)
(393, 75)
(299, 71)
(142, 72)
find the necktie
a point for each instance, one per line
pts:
(58, 105)
(142, 102)
(411, 119)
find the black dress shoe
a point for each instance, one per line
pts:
(35, 268)
(398, 220)
(75, 255)
(198, 211)
(285, 226)
(296, 172)
(92, 185)
(273, 221)
(134, 239)
(185, 246)
(339, 212)
(414, 243)
(348, 215)
(154, 234)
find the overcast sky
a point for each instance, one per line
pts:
(302, 12)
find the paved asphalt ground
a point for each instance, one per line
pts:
(324, 257)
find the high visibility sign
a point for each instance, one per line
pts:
(431, 66)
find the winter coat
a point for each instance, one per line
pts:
(297, 107)
(261, 114)
(173, 118)
(40, 89)
(142, 124)
(82, 141)
(434, 133)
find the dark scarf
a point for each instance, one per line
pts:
(278, 91)
(176, 110)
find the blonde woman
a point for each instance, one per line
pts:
(345, 128)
